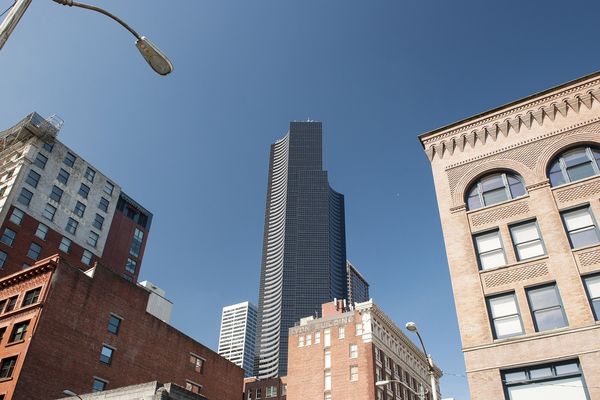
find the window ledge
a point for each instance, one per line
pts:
(582, 248)
(491, 206)
(6, 379)
(15, 343)
(574, 183)
(519, 263)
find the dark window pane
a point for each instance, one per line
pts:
(580, 171)
(543, 297)
(25, 197)
(575, 157)
(585, 237)
(495, 196)
(550, 319)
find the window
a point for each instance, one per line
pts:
(70, 159)
(25, 197)
(42, 231)
(10, 305)
(130, 266)
(197, 363)
(89, 174)
(489, 250)
(308, 339)
(574, 165)
(98, 385)
(56, 194)
(495, 188)
(546, 308)
(136, 244)
(127, 278)
(33, 178)
(353, 373)
(79, 209)
(7, 367)
(317, 337)
(327, 359)
(283, 389)
(3, 257)
(327, 337)
(8, 237)
(527, 240)
(341, 332)
(103, 205)
(34, 251)
(271, 391)
(556, 381)
(65, 245)
(249, 396)
(18, 332)
(359, 329)
(93, 239)
(40, 161)
(31, 297)
(2, 332)
(48, 147)
(2, 191)
(327, 396)
(114, 323)
(17, 216)
(98, 221)
(71, 226)
(592, 287)
(505, 317)
(49, 212)
(86, 258)
(192, 387)
(84, 190)
(106, 354)
(581, 227)
(63, 176)
(300, 341)
(353, 351)
(108, 188)
(258, 393)
(327, 380)
(2, 304)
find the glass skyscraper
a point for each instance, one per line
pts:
(304, 247)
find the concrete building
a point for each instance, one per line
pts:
(145, 391)
(88, 331)
(53, 201)
(358, 287)
(270, 388)
(343, 354)
(518, 190)
(237, 337)
(304, 245)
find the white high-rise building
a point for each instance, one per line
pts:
(238, 335)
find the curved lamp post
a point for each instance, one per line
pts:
(421, 393)
(411, 326)
(159, 62)
(71, 393)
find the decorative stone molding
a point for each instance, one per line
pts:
(498, 214)
(512, 275)
(589, 258)
(577, 192)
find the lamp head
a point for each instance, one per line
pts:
(411, 326)
(159, 62)
(382, 383)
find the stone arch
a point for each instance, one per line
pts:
(550, 152)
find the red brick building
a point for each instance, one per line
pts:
(63, 328)
(343, 354)
(259, 389)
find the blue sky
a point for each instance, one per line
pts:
(193, 147)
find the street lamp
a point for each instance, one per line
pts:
(411, 326)
(71, 393)
(159, 62)
(421, 392)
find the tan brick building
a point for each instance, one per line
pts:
(518, 191)
(341, 355)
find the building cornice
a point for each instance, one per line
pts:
(514, 117)
(41, 267)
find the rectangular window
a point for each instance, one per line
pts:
(353, 373)
(42, 231)
(192, 387)
(308, 339)
(489, 250)
(89, 174)
(127, 278)
(49, 212)
(56, 194)
(197, 363)
(114, 323)
(34, 251)
(8, 237)
(31, 297)
(98, 221)
(17, 216)
(48, 147)
(33, 178)
(18, 332)
(327, 359)
(353, 351)
(505, 317)
(359, 329)
(108, 188)
(40, 161)
(65, 245)
(63, 176)
(341, 332)
(93, 239)
(84, 190)
(136, 244)
(71, 226)
(79, 209)
(130, 266)
(327, 380)
(581, 227)
(592, 287)
(12, 302)
(546, 308)
(86, 258)
(300, 341)
(98, 385)
(25, 197)
(527, 240)
(103, 205)
(106, 354)
(258, 393)
(70, 159)
(317, 337)
(271, 391)
(3, 257)
(7, 367)
(327, 337)
(558, 381)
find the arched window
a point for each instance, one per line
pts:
(574, 164)
(494, 188)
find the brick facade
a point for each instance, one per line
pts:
(271, 388)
